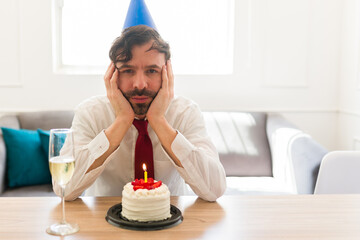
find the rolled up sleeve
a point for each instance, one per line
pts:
(202, 169)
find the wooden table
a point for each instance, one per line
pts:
(231, 217)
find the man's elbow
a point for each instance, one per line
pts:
(214, 194)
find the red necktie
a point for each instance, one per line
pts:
(143, 151)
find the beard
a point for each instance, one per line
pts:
(140, 108)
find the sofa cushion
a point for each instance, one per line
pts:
(46, 119)
(241, 140)
(26, 162)
(256, 186)
(9, 121)
(44, 190)
(44, 139)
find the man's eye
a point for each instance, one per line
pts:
(127, 71)
(151, 71)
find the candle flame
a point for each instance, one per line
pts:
(144, 166)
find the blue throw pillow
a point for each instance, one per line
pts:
(44, 139)
(26, 163)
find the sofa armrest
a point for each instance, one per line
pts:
(296, 156)
(10, 122)
(306, 155)
(2, 163)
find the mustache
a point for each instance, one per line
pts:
(138, 92)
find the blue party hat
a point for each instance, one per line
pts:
(138, 14)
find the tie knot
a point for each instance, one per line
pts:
(141, 126)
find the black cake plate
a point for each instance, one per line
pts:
(115, 218)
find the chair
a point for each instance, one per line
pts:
(339, 173)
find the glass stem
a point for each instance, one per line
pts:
(63, 204)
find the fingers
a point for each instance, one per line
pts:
(109, 71)
(113, 82)
(108, 74)
(170, 74)
(165, 79)
(168, 79)
(110, 80)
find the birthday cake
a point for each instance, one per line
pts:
(145, 201)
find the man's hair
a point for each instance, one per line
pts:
(138, 35)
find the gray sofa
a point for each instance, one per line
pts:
(30, 120)
(262, 153)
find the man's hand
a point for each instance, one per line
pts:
(162, 100)
(124, 115)
(121, 106)
(156, 113)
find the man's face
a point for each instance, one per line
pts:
(140, 78)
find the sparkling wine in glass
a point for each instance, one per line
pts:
(62, 165)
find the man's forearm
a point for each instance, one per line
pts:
(166, 135)
(115, 134)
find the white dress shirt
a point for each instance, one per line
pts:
(202, 169)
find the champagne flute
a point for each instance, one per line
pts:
(62, 165)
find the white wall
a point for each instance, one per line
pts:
(349, 101)
(287, 60)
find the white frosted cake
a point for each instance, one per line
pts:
(145, 202)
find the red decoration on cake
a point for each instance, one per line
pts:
(141, 184)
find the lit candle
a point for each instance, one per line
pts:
(145, 173)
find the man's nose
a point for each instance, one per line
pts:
(140, 81)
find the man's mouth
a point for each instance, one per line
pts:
(140, 99)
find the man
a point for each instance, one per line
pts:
(140, 87)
